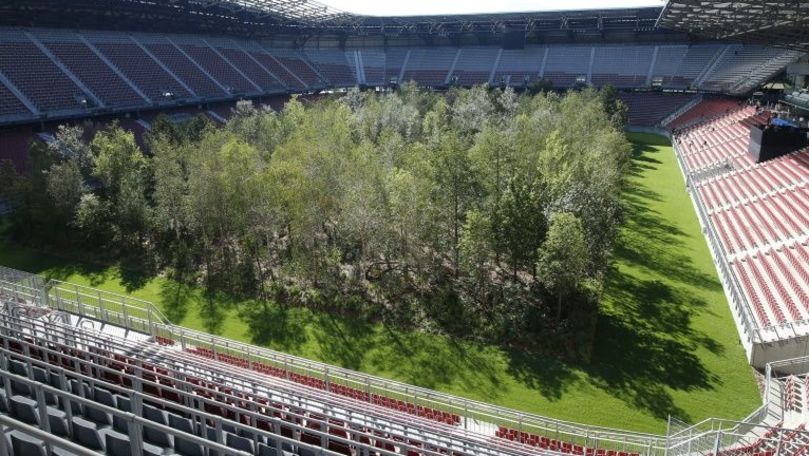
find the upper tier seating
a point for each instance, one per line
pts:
(474, 65)
(621, 67)
(178, 63)
(284, 75)
(649, 109)
(429, 67)
(518, 67)
(253, 70)
(136, 70)
(10, 106)
(88, 67)
(138, 67)
(215, 65)
(373, 61)
(35, 74)
(565, 65)
(334, 65)
(394, 61)
(296, 63)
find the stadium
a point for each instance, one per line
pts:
(275, 228)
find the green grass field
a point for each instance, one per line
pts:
(666, 343)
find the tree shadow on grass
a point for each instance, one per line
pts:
(96, 274)
(136, 268)
(274, 326)
(438, 362)
(176, 297)
(342, 341)
(213, 307)
(645, 341)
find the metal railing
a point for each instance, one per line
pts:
(189, 378)
(142, 316)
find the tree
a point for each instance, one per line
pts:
(68, 145)
(116, 155)
(540, 85)
(419, 208)
(615, 108)
(562, 258)
(519, 224)
(65, 186)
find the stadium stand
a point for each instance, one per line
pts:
(212, 61)
(648, 109)
(704, 111)
(374, 66)
(429, 67)
(131, 58)
(37, 76)
(11, 107)
(80, 73)
(474, 65)
(567, 65)
(99, 369)
(395, 60)
(90, 68)
(283, 74)
(296, 63)
(518, 67)
(621, 67)
(755, 214)
(250, 66)
(202, 83)
(335, 65)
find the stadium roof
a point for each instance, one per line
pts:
(637, 19)
(266, 17)
(777, 23)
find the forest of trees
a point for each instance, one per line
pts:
(478, 212)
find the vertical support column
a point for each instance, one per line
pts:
(494, 67)
(404, 66)
(650, 73)
(544, 62)
(452, 67)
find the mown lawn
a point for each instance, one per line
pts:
(666, 343)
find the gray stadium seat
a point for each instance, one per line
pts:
(102, 396)
(187, 448)
(118, 445)
(303, 451)
(239, 443)
(19, 368)
(264, 450)
(41, 376)
(75, 407)
(153, 435)
(24, 409)
(57, 419)
(85, 433)
(23, 444)
(123, 404)
(183, 446)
